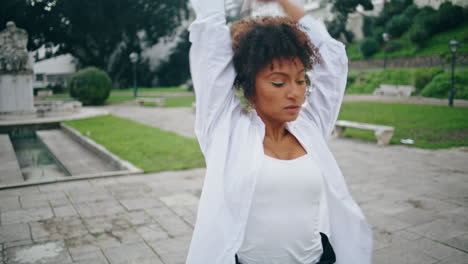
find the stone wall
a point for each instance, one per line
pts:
(410, 62)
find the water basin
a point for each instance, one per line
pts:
(34, 158)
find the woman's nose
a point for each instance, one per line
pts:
(294, 90)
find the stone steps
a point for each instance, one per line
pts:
(10, 171)
(76, 158)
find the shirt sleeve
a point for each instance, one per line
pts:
(211, 67)
(328, 78)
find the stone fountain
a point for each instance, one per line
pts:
(16, 74)
(17, 78)
(35, 145)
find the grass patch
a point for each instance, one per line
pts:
(432, 127)
(151, 89)
(180, 101)
(115, 99)
(366, 83)
(150, 104)
(353, 51)
(59, 96)
(124, 95)
(148, 148)
(437, 45)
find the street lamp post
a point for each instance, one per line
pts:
(134, 58)
(453, 46)
(386, 38)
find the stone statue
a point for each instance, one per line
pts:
(14, 55)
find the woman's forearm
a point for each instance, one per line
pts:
(292, 10)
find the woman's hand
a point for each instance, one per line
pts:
(292, 10)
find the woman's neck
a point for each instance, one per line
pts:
(275, 132)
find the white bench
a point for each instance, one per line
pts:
(44, 93)
(158, 101)
(382, 133)
(394, 90)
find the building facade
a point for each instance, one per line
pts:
(54, 71)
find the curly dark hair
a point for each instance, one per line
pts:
(257, 41)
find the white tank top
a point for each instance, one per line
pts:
(287, 210)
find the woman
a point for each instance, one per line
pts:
(273, 192)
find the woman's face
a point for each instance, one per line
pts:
(280, 90)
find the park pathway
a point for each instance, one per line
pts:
(177, 119)
(415, 199)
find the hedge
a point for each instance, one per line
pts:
(440, 86)
(91, 86)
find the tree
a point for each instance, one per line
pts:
(341, 10)
(99, 33)
(176, 69)
(391, 9)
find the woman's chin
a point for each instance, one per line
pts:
(290, 118)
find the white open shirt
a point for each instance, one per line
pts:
(288, 209)
(232, 142)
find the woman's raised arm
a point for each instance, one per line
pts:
(328, 78)
(211, 66)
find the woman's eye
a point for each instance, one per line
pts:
(277, 84)
(301, 82)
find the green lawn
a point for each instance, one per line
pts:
(431, 127)
(114, 98)
(119, 96)
(366, 83)
(151, 89)
(148, 148)
(437, 45)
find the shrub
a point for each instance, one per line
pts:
(91, 86)
(429, 21)
(393, 45)
(56, 88)
(449, 15)
(419, 34)
(368, 26)
(369, 46)
(350, 80)
(425, 12)
(411, 11)
(391, 9)
(440, 86)
(349, 36)
(366, 83)
(424, 76)
(378, 32)
(398, 25)
(428, 18)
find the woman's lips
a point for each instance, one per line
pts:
(293, 109)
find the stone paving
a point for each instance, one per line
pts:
(415, 199)
(10, 171)
(130, 219)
